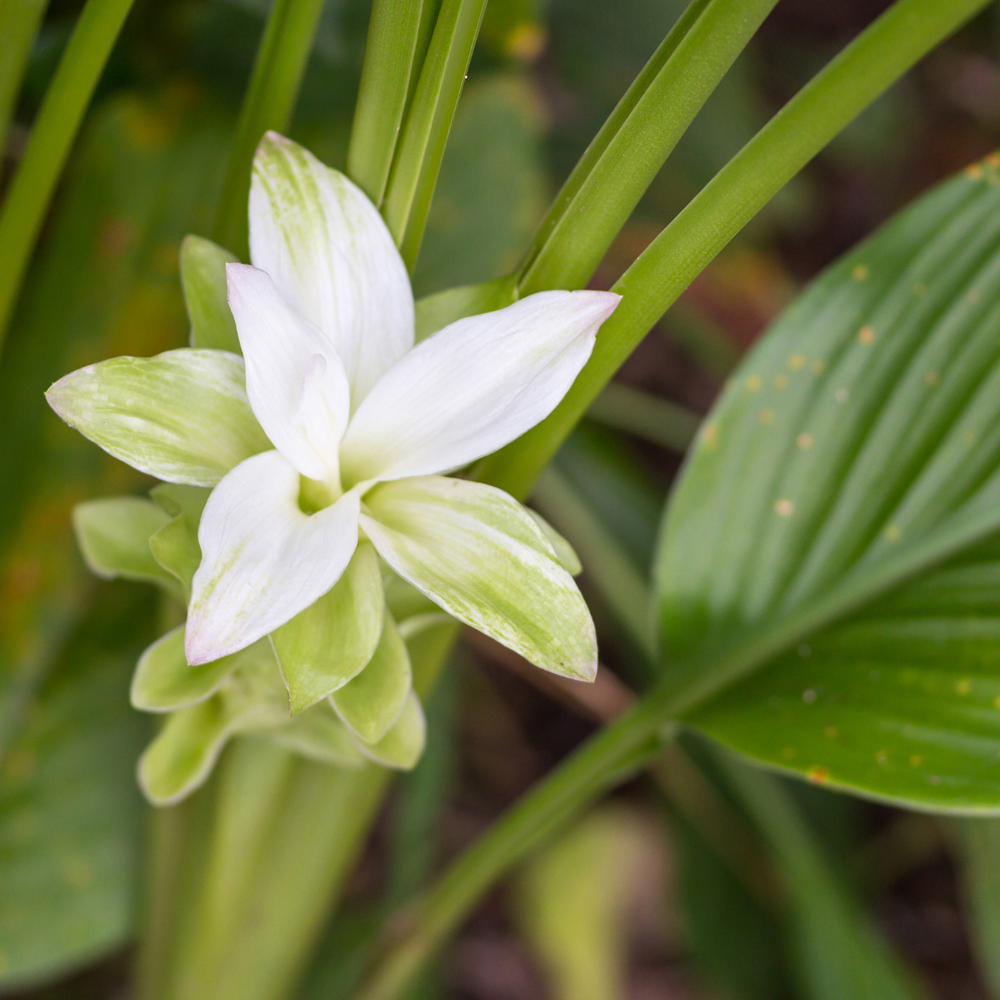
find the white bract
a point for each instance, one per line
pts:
(342, 432)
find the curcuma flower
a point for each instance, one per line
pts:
(326, 446)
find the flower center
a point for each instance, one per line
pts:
(315, 495)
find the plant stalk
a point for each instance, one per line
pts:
(833, 98)
(19, 21)
(421, 148)
(398, 33)
(269, 103)
(632, 146)
(52, 136)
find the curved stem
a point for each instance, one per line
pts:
(269, 103)
(52, 136)
(845, 87)
(625, 156)
(415, 170)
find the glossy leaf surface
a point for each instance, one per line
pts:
(855, 451)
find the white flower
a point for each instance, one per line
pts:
(359, 425)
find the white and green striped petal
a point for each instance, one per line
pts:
(481, 556)
(182, 416)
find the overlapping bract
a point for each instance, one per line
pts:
(330, 400)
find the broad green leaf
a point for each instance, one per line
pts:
(163, 680)
(979, 864)
(175, 548)
(69, 809)
(856, 451)
(203, 278)
(114, 534)
(402, 746)
(371, 702)
(319, 735)
(568, 559)
(330, 642)
(182, 416)
(479, 555)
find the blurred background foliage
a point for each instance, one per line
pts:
(671, 890)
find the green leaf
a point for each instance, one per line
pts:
(163, 680)
(250, 699)
(402, 746)
(856, 451)
(478, 554)
(177, 499)
(319, 735)
(568, 559)
(203, 278)
(372, 701)
(69, 809)
(979, 856)
(323, 647)
(175, 548)
(182, 416)
(114, 534)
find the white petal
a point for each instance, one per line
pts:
(295, 380)
(331, 255)
(473, 386)
(264, 560)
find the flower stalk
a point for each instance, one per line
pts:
(51, 139)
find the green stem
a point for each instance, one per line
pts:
(614, 576)
(19, 21)
(645, 415)
(398, 33)
(415, 170)
(269, 103)
(625, 156)
(845, 87)
(52, 136)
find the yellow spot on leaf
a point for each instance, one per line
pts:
(797, 362)
(788, 753)
(842, 395)
(919, 289)
(963, 686)
(784, 508)
(780, 381)
(830, 732)
(754, 383)
(766, 416)
(866, 334)
(893, 533)
(804, 440)
(996, 702)
(993, 160)
(859, 272)
(881, 757)
(974, 170)
(819, 367)
(932, 378)
(973, 296)
(916, 760)
(818, 775)
(710, 435)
